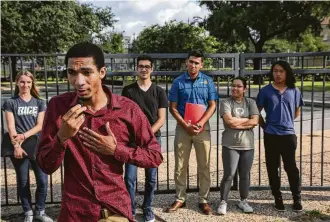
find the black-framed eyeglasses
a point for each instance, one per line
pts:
(144, 67)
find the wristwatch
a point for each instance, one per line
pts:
(198, 125)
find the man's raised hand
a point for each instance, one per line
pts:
(71, 122)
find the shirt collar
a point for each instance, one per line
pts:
(113, 103)
(188, 77)
(278, 91)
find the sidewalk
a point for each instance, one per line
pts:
(261, 201)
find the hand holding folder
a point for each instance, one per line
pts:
(193, 113)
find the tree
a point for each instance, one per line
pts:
(258, 22)
(174, 37)
(232, 45)
(49, 26)
(278, 45)
(311, 43)
(307, 42)
(112, 42)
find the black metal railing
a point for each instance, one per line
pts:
(312, 70)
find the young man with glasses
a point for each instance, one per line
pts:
(152, 100)
(196, 88)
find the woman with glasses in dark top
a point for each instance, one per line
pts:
(240, 115)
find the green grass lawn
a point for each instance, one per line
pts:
(318, 86)
(307, 86)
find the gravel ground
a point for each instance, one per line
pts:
(261, 200)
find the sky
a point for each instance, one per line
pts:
(134, 15)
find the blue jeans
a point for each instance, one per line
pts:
(150, 184)
(23, 183)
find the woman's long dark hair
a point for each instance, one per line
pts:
(34, 90)
(290, 79)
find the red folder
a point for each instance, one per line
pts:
(194, 112)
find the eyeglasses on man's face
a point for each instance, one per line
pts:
(236, 86)
(144, 67)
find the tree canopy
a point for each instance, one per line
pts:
(307, 42)
(257, 22)
(112, 42)
(53, 27)
(49, 26)
(174, 37)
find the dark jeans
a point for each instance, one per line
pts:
(150, 184)
(23, 183)
(284, 146)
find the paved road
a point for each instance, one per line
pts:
(223, 91)
(52, 91)
(307, 111)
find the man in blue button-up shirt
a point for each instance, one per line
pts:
(281, 101)
(197, 88)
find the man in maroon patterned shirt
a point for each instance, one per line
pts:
(95, 132)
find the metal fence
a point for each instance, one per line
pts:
(313, 127)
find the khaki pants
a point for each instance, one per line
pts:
(114, 218)
(182, 148)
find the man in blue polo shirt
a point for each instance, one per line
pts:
(282, 102)
(197, 88)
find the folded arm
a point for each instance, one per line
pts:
(233, 122)
(251, 123)
(240, 123)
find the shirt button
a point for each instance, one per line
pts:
(96, 183)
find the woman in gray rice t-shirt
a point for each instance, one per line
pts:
(240, 115)
(24, 115)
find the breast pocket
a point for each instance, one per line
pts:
(185, 92)
(201, 92)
